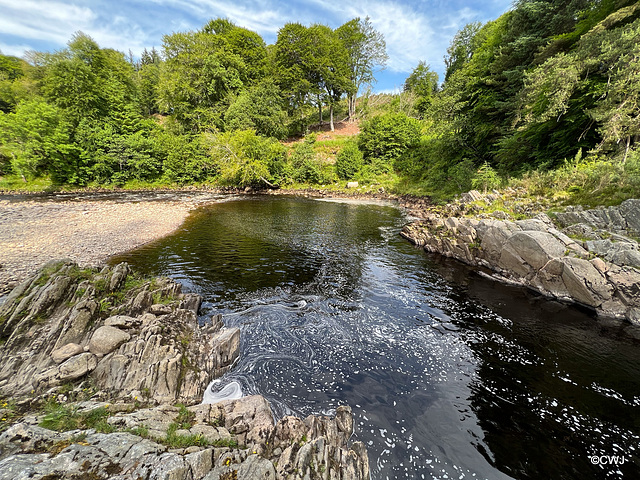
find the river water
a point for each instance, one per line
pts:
(450, 375)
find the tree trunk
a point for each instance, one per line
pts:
(331, 113)
(351, 101)
(626, 152)
(320, 109)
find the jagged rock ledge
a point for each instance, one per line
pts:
(97, 369)
(600, 270)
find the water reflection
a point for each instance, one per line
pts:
(450, 375)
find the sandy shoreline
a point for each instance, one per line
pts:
(87, 231)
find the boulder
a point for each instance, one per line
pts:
(66, 352)
(106, 339)
(77, 366)
(536, 248)
(352, 184)
(227, 346)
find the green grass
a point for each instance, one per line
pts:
(10, 413)
(15, 183)
(62, 417)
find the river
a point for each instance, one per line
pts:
(450, 375)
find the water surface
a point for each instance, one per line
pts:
(449, 375)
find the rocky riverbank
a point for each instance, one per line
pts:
(589, 257)
(101, 377)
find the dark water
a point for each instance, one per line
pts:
(450, 375)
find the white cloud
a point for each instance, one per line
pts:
(14, 50)
(43, 20)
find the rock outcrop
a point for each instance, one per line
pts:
(242, 442)
(64, 324)
(135, 348)
(600, 274)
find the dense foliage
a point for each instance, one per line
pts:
(209, 107)
(549, 90)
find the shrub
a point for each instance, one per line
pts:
(388, 136)
(244, 158)
(485, 178)
(306, 168)
(349, 161)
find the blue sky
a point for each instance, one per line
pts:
(414, 30)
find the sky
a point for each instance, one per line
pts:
(414, 30)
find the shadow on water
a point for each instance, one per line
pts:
(450, 375)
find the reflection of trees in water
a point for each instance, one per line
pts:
(259, 243)
(537, 394)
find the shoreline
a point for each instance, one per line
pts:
(40, 227)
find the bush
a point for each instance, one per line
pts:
(245, 159)
(388, 136)
(349, 161)
(486, 178)
(306, 168)
(260, 109)
(185, 159)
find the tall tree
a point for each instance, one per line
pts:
(423, 82)
(294, 62)
(366, 51)
(461, 48)
(329, 70)
(199, 74)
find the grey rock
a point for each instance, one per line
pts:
(106, 339)
(227, 346)
(77, 366)
(66, 352)
(200, 462)
(118, 276)
(122, 322)
(256, 468)
(536, 248)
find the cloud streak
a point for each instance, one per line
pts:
(414, 30)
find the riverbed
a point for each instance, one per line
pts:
(87, 228)
(450, 375)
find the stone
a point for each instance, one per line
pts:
(106, 339)
(630, 211)
(256, 468)
(247, 413)
(200, 462)
(352, 185)
(66, 352)
(77, 366)
(584, 282)
(536, 248)
(160, 309)
(227, 346)
(122, 322)
(118, 276)
(191, 301)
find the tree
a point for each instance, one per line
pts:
(147, 79)
(294, 64)
(329, 70)
(197, 79)
(366, 51)
(461, 48)
(37, 140)
(258, 108)
(423, 82)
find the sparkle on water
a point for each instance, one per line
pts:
(450, 375)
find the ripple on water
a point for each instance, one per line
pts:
(449, 375)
